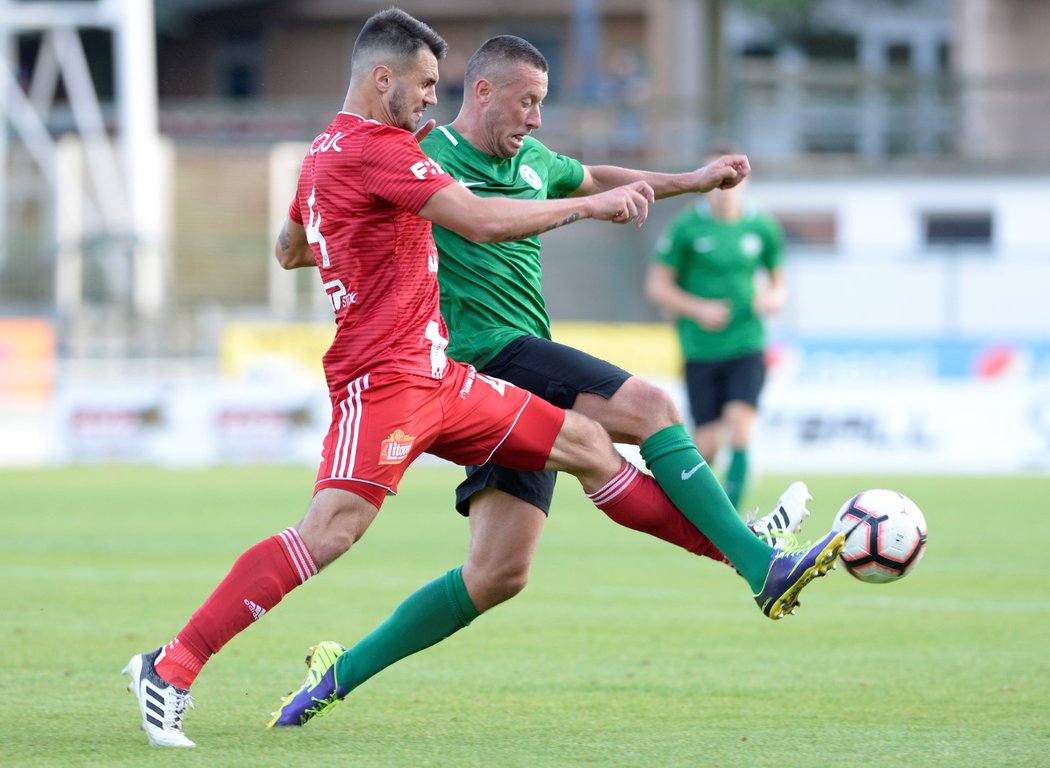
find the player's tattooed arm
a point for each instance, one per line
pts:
(292, 249)
(536, 232)
(498, 219)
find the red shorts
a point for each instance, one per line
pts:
(383, 421)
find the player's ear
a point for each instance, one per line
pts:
(382, 78)
(483, 90)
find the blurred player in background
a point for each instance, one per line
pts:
(704, 276)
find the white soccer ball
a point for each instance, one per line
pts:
(885, 535)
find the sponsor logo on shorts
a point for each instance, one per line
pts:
(395, 448)
(468, 383)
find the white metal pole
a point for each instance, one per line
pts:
(6, 61)
(69, 226)
(135, 48)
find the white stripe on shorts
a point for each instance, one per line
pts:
(345, 451)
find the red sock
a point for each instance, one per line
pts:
(636, 501)
(256, 583)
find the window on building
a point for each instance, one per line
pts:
(240, 63)
(944, 57)
(898, 55)
(969, 228)
(759, 50)
(829, 142)
(830, 46)
(816, 230)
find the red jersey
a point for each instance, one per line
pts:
(360, 189)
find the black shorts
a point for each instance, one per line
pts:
(713, 383)
(556, 373)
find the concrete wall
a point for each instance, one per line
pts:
(1004, 57)
(877, 278)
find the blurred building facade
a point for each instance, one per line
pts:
(903, 145)
(914, 90)
(958, 80)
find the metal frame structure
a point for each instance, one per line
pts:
(122, 185)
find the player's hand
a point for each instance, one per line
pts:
(621, 205)
(724, 173)
(423, 130)
(767, 303)
(712, 314)
(770, 299)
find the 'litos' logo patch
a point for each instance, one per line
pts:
(395, 448)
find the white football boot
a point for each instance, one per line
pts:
(786, 517)
(162, 704)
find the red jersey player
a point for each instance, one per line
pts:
(365, 200)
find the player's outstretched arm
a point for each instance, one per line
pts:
(499, 219)
(722, 173)
(291, 249)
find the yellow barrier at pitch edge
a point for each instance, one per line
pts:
(649, 350)
(248, 349)
(646, 349)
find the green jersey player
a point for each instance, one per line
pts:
(491, 297)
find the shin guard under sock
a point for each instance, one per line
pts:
(686, 478)
(259, 579)
(634, 500)
(426, 617)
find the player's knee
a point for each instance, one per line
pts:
(662, 411)
(334, 522)
(498, 583)
(584, 449)
(327, 547)
(509, 584)
(591, 442)
(651, 407)
(580, 434)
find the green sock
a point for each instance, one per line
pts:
(736, 476)
(427, 616)
(689, 482)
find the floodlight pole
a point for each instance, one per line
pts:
(135, 49)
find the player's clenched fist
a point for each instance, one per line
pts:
(724, 172)
(623, 204)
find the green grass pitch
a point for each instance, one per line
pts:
(623, 651)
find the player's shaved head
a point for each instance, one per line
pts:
(497, 61)
(393, 38)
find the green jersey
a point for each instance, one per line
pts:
(491, 293)
(717, 260)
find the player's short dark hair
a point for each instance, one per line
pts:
(397, 33)
(496, 53)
